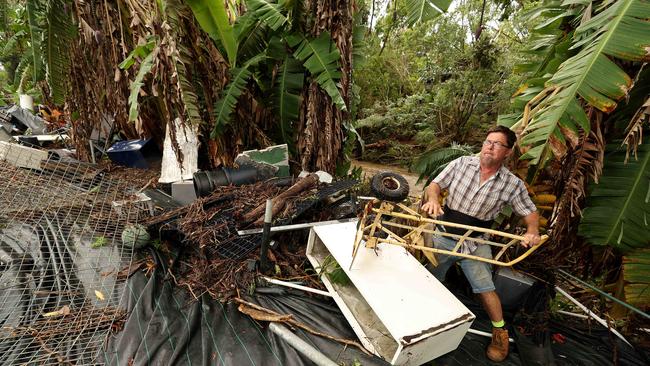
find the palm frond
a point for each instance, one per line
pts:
(423, 10)
(11, 44)
(181, 58)
(267, 12)
(224, 107)
(615, 32)
(618, 208)
(250, 35)
(636, 272)
(35, 12)
(287, 94)
(321, 57)
(634, 131)
(213, 19)
(58, 35)
(358, 45)
(432, 162)
(145, 68)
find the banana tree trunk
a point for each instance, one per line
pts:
(320, 133)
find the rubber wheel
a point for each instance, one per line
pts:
(389, 186)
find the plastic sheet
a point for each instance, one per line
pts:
(167, 326)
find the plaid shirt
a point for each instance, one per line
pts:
(484, 201)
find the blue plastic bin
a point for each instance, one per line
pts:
(139, 153)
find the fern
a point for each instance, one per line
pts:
(225, 106)
(321, 57)
(431, 163)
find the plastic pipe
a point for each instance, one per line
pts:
(591, 313)
(297, 287)
(301, 346)
(602, 293)
(485, 334)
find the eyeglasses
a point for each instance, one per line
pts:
(496, 144)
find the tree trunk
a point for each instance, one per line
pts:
(320, 132)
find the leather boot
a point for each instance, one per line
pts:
(497, 351)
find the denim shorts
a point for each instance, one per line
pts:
(479, 274)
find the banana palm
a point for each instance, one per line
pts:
(618, 30)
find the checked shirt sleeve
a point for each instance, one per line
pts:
(445, 177)
(521, 202)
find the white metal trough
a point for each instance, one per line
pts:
(399, 310)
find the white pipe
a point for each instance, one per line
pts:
(295, 226)
(485, 334)
(298, 287)
(592, 314)
(581, 316)
(301, 346)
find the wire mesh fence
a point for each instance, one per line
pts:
(61, 257)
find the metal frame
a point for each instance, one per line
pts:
(417, 226)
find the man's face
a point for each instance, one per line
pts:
(495, 149)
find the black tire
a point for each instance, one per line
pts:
(389, 186)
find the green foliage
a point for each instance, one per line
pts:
(99, 242)
(148, 52)
(287, 94)
(321, 57)
(618, 207)
(225, 106)
(267, 12)
(424, 10)
(613, 31)
(213, 18)
(58, 34)
(431, 163)
(331, 268)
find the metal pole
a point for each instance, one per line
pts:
(266, 236)
(592, 314)
(602, 293)
(301, 346)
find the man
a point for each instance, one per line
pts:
(478, 189)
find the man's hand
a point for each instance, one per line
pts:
(530, 239)
(433, 208)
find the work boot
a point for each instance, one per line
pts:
(497, 351)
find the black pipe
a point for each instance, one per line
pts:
(207, 181)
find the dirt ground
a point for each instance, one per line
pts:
(370, 169)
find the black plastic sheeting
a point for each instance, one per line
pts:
(167, 326)
(576, 344)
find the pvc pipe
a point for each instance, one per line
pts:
(602, 293)
(295, 226)
(485, 334)
(592, 314)
(581, 316)
(297, 287)
(301, 346)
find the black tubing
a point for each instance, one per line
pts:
(206, 182)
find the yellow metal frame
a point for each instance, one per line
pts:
(417, 226)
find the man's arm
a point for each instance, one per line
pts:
(532, 233)
(432, 205)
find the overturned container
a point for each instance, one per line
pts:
(397, 308)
